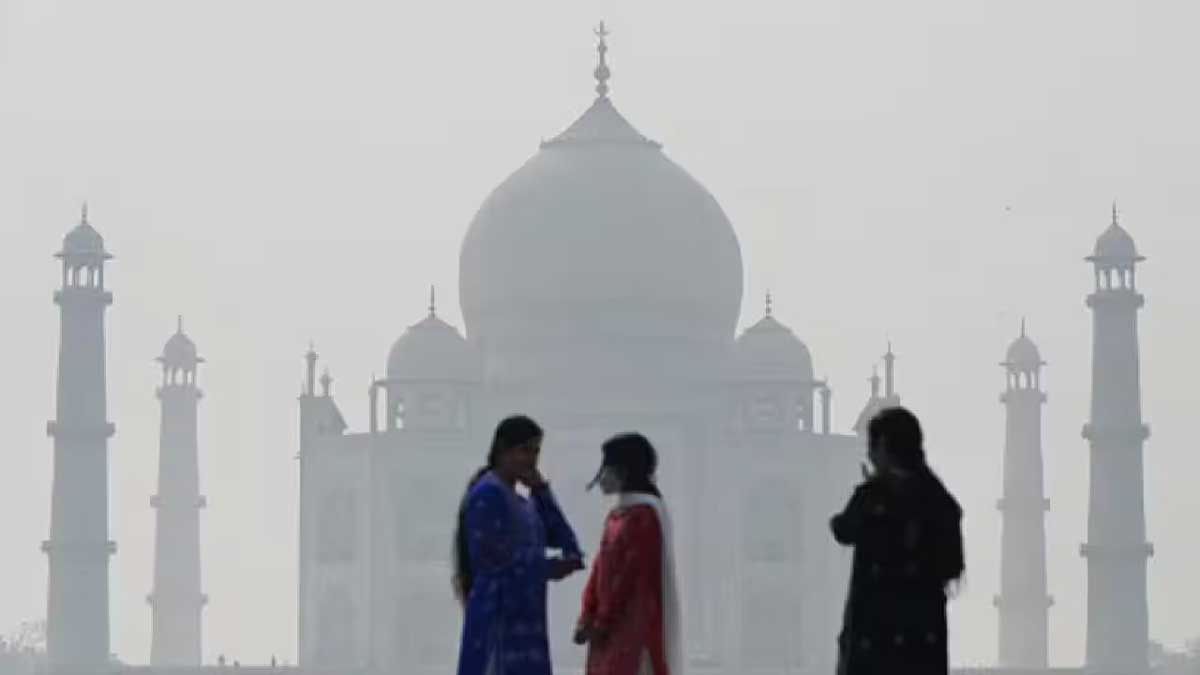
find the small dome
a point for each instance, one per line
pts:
(432, 350)
(1023, 353)
(180, 350)
(769, 350)
(83, 240)
(1115, 244)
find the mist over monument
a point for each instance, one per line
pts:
(601, 287)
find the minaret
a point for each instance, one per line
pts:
(1116, 548)
(1023, 602)
(77, 630)
(877, 402)
(176, 600)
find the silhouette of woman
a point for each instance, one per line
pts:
(630, 619)
(501, 566)
(905, 528)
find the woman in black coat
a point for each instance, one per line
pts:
(905, 528)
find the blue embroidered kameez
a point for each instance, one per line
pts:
(504, 629)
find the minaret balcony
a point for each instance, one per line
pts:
(187, 391)
(158, 502)
(1115, 434)
(79, 551)
(82, 296)
(152, 598)
(1116, 552)
(1015, 506)
(1016, 395)
(1116, 299)
(1002, 602)
(55, 429)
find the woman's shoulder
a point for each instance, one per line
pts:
(637, 517)
(638, 511)
(487, 488)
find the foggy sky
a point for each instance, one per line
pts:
(928, 171)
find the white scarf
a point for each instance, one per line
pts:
(672, 627)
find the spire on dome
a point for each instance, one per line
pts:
(770, 303)
(432, 300)
(1114, 220)
(310, 373)
(326, 383)
(83, 213)
(602, 72)
(889, 372)
(1022, 326)
(179, 324)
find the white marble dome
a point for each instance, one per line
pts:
(431, 350)
(600, 231)
(769, 350)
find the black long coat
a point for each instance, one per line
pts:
(907, 539)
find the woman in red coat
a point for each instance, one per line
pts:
(630, 619)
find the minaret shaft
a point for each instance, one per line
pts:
(176, 600)
(1023, 602)
(78, 550)
(1117, 550)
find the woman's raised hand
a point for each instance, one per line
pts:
(532, 478)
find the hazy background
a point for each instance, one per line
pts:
(279, 170)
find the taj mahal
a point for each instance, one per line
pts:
(600, 287)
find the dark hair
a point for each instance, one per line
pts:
(902, 431)
(510, 433)
(633, 454)
(906, 445)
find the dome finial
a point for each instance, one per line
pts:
(179, 324)
(1022, 326)
(433, 300)
(326, 383)
(83, 213)
(770, 303)
(602, 72)
(1114, 211)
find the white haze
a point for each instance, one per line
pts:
(275, 171)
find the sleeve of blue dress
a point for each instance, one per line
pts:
(558, 531)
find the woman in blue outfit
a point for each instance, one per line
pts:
(501, 561)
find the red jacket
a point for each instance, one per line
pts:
(623, 600)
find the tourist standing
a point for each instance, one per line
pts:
(631, 619)
(500, 555)
(905, 528)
